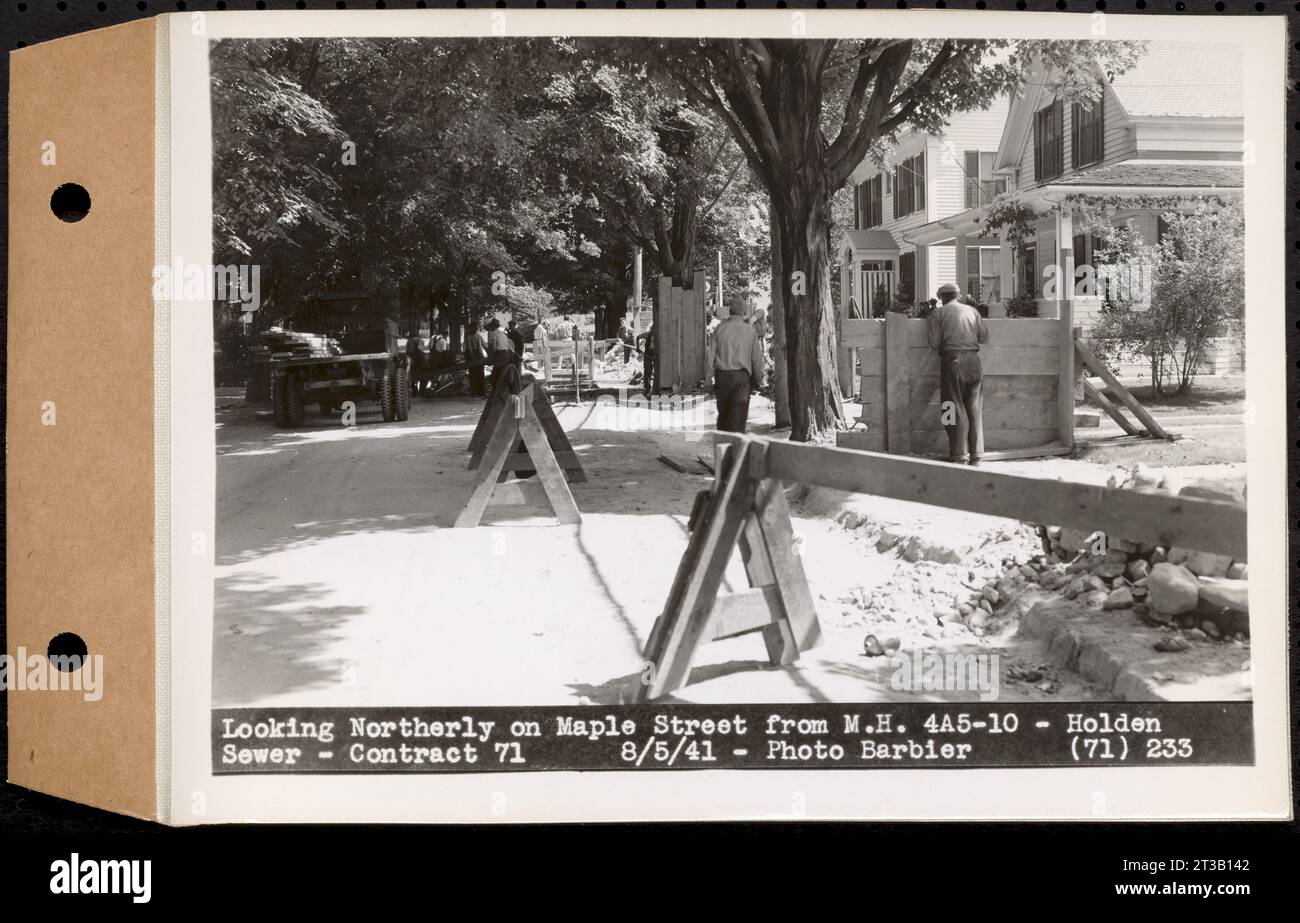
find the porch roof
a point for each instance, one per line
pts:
(1131, 177)
(967, 223)
(875, 239)
(1160, 173)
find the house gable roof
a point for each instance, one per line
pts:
(1019, 120)
(1185, 80)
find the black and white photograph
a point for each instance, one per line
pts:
(540, 416)
(548, 288)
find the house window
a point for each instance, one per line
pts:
(1086, 250)
(981, 187)
(870, 202)
(1086, 247)
(909, 186)
(1082, 256)
(1048, 149)
(907, 277)
(983, 273)
(1086, 134)
(1164, 231)
(1027, 275)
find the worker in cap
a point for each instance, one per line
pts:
(736, 361)
(955, 332)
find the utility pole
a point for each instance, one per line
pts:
(720, 294)
(636, 290)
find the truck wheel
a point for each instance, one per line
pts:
(388, 397)
(293, 405)
(403, 394)
(278, 390)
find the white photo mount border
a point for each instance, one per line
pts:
(1259, 792)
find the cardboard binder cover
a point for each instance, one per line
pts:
(80, 392)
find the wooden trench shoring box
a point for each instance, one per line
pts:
(1029, 372)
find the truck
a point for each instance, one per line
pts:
(370, 369)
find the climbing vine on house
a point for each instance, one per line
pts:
(1095, 214)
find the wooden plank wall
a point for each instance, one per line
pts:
(680, 335)
(900, 385)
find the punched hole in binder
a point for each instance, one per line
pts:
(67, 651)
(70, 202)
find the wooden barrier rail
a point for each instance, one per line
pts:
(746, 506)
(1137, 516)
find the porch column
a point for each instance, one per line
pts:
(1065, 315)
(844, 359)
(959, 263)
(1006, 270)
(921, 290)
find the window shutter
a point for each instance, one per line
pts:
(1058, 161)
(972, 178)
(857, 207)
(1076, 130)
(918, 181)
(1099, 129)
(1039, 129)
(972, 262)
(1087, 133)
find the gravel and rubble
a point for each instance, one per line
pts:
(1140, 621)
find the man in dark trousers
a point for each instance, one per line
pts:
(500, 351)
(736, 358)
(516, 337)
(646, 343)
(956, 331)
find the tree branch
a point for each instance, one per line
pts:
(744, 93)
(704, 213)
(856, 139)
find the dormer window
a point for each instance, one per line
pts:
(1087, 133)
(1048, 148)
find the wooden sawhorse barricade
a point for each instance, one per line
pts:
(517, 431)
(748, 505)
(745, 507)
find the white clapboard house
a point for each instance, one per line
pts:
(927, 178)
(1165, 135)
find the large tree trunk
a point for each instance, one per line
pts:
(780, 381)
(674, 250)
(774, 108)
(801, 212)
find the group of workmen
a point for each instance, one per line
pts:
(736, 362)
(488, 346)
(955, 331)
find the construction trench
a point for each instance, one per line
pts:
(561, 614)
